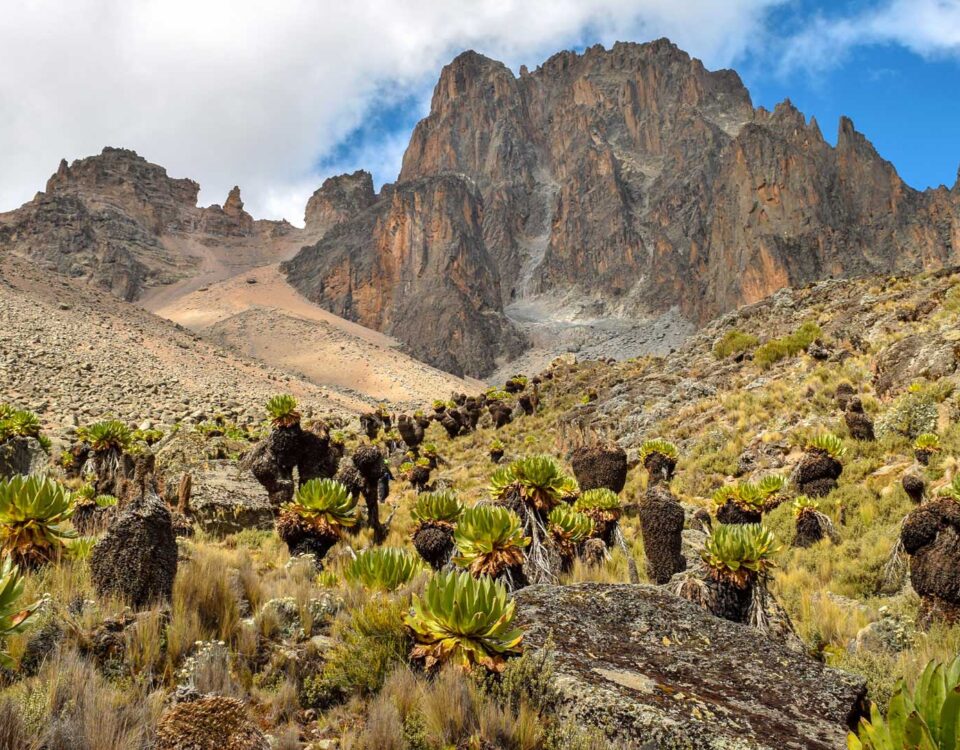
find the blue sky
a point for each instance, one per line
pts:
(906, 103)
(275, 97)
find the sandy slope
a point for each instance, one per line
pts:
(70, 351)
(259, 315)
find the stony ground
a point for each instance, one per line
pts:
(71, 354)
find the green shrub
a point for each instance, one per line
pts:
(369, 641)
(528, 679)
(911, 415)
(776, 349)
(734, 341)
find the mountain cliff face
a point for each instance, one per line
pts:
(122, 224)
(427, 279)
(631, 179)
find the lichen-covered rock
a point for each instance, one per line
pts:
(21, 455)
(648, 667)
(914, 357)
(137, 557)
(211, 722)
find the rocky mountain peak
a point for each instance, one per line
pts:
(123, 224)
(121, 178)
(338, 199)
(233, 205)
(631, 182)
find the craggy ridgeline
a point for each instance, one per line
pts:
(740, 545)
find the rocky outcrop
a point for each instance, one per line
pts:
(415, 265)
(638, 180)
(644, 665)
(22, 455)
(629, 183)
(338, 199)
(122, 224)
(230, 220)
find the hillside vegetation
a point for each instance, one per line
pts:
(807, 410)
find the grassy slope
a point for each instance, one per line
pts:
(830, 591)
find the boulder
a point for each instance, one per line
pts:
(224, 501)
(646, 666)
(911, 358)
(22, 455)
(137, 557)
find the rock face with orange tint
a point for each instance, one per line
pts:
(632, 177)
(415, 265)
(338, 199)
(614, 186)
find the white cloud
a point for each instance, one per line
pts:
(256, 93)
(930, 28)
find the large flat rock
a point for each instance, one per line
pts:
(654, 670)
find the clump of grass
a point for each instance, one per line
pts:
(369, 641)
(70, 704)
(205, 604)
(733, 342)
(772, 351)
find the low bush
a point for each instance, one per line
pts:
(788, 346)
(370, 640)
(734, 341)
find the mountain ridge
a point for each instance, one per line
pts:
(626, 190)
(655, 179)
